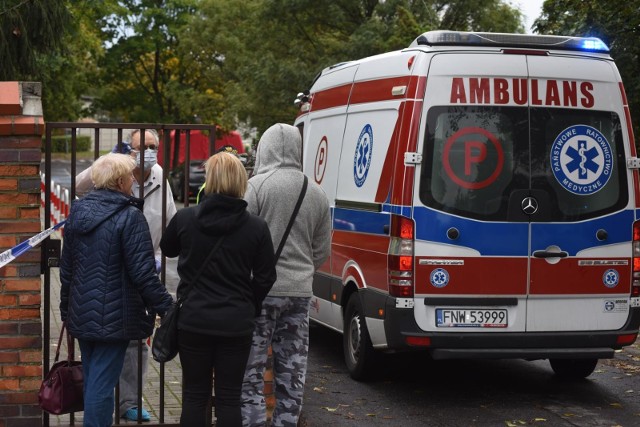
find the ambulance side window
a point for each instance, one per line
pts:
(473, 158)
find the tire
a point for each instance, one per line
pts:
(177, 191)
(359, 355)
(573, 369)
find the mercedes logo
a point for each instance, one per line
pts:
(529, 205)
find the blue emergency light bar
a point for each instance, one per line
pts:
(460, 38)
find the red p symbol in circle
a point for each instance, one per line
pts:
(321, 160)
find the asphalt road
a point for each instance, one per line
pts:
(413, 390)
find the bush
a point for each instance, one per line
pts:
(62, 143)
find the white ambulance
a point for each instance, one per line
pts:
(484, 196)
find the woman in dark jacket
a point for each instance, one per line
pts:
(110, 290)
(217, 317)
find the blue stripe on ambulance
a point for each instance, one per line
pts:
(506, 239)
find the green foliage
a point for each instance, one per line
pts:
(62, 143)
(215, 61)
(27, 29)
(616, 23)
(53, 42)
(146, 79)
(272, 49)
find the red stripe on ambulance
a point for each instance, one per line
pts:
(377, 90)
(370, 91)
(545, 280)
(475, 276)
(330, 98)
(361, 250)
(632, 142)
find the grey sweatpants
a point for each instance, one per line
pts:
(129, 375)
(283, 324)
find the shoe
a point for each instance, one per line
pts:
(132, 415)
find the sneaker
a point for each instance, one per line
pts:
(132, 415)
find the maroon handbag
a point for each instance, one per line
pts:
(61, 389)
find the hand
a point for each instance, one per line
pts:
(124, 146)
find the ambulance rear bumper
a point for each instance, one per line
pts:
(400, 324)
(524, 353)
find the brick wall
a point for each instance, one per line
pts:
(21, 128)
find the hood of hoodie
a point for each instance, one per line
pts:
(219, 214)
(97, 207)
(280, 147)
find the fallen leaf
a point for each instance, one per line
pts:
(629, 391)
(330, 409)
(318, 389)
(371, 415)
(539, 420)
(616, 405)
(568, 414)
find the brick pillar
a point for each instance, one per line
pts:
(21, 128)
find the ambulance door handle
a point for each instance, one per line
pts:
(550, 254)
(385, 229)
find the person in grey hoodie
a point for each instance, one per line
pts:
(283, 323)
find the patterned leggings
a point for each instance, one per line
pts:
(283, 324)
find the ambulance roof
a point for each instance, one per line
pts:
(477, 39)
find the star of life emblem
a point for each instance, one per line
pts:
(363, 154)
(610, 278)
(581, 160)
(439, 277)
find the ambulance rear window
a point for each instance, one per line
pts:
(578, 159)
(480, 162)
(471, 158)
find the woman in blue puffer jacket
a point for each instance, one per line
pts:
(110, 290)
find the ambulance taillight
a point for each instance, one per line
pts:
(400, 260)
(635, 283)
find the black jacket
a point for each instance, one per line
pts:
(237, 278)
(110, 289)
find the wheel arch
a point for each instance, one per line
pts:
(353, 280)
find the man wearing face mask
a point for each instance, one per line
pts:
(152, 188)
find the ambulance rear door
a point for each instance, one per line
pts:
(523, 208)
(471, 237)
(580, 204)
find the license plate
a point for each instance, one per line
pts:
(471, 318)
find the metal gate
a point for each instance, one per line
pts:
(163, 387)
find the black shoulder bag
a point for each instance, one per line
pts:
(293, 217)
(165, 339)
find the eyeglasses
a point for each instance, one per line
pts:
(148, 147)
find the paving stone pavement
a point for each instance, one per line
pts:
(151, 387)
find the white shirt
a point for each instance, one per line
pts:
(152, 201)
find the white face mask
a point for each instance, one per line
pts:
(150, 159)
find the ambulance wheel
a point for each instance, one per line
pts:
(359, 354)
(573, 369)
